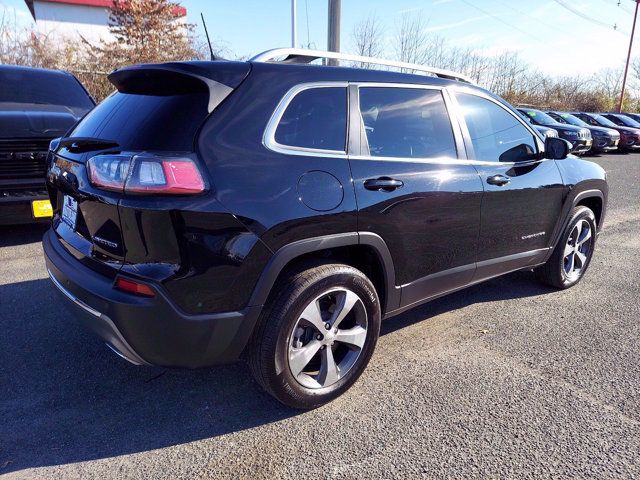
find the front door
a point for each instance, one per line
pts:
(523, 193)
(413, 190)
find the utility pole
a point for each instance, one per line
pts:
(294, 31)
(626, 67)
(333, 40)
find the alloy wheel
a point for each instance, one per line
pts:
(327, 339)
(577, 250)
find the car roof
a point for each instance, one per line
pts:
(25, 69)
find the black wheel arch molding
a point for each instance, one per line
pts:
(576, 197)
(295, 250)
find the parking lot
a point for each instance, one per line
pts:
(508, 379)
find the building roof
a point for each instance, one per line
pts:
(178, 11)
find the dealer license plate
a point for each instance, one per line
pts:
(70, 211)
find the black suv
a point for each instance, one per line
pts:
(276, 212)
(604, 139)
(579, 137)
(36, 106)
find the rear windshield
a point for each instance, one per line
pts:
(33, 86)
(146, 122)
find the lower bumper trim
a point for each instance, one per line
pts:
(102, 325)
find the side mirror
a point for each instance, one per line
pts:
(556, 148)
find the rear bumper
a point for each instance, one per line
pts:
(15, 206)
(146, 331)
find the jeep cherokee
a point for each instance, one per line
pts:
(277, 211)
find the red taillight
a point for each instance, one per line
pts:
(137, 288)
(174, 176)
(109, 172)
(145, 174)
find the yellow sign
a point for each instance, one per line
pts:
(41, 208)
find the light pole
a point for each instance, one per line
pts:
(294, 31)
(626, 67)
(333, 40)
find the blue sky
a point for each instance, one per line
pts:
(545, 33)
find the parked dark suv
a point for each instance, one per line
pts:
(579, 137)
(604, 139)
(277, 211)
(36, 106)
(629, 137)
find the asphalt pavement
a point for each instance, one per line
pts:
(507, 379)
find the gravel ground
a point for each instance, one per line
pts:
(507, 379)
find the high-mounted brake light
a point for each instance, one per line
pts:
(137, 288)
(145, 174)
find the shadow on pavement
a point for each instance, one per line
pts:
(66, 398)
(11, 235)
(515, 285)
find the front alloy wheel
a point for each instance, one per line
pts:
(572, 255)
(577, 250)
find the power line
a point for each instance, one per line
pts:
(544, 24)
(495, 17)
(618, 4)
(628, 10)
(595, 21)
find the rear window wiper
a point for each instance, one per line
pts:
(86, 144)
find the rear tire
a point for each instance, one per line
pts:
(316, 335)
(572, 255)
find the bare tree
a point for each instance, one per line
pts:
(367, 37)
(411, 39)
(609, 82)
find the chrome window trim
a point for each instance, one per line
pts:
(437, 161)
(268, 137)
(398, 85)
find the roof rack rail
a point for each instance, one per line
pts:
(301, 55)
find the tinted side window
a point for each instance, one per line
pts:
(496, 135)
(406, 122)
(315, 118)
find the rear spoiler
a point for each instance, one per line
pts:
(218, 79)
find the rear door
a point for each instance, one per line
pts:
(523, 193)
(412, 188)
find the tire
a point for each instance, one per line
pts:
(558, 271)
(289, 331)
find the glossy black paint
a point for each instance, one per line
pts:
(440, 226)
